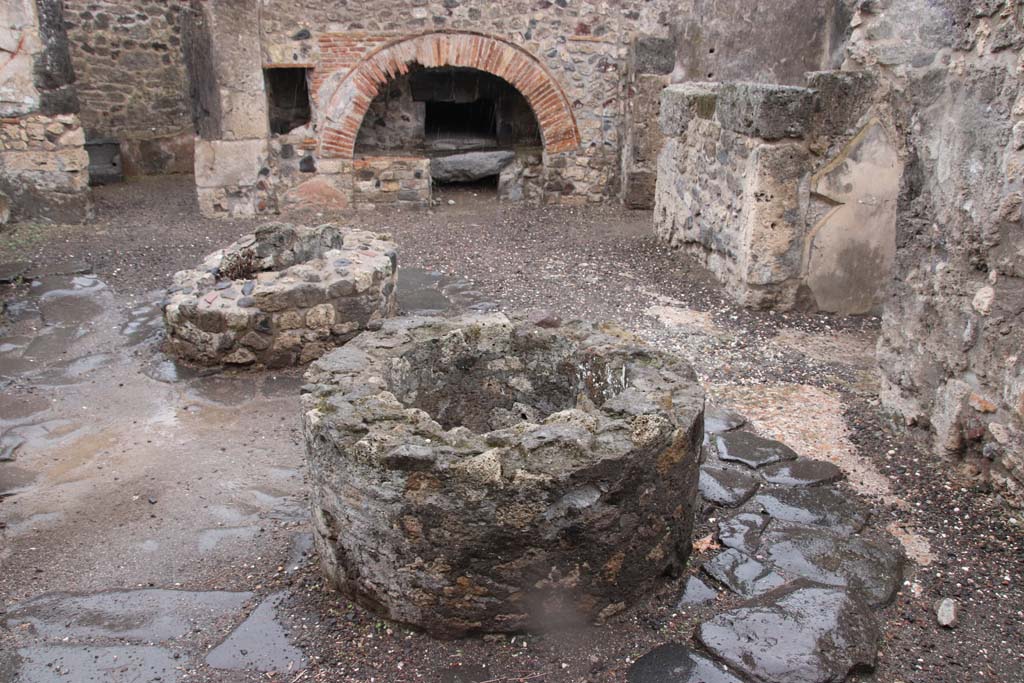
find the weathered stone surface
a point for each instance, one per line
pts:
(675, 663)
(683, 102)
(653, 55)
(750, 449)
(947, 612)
(818, 506)
(853, 247)
(801, 633)
(742, 574)
(871, 570)
(771, 112)
(727, 487)
(802, 472)
(469, 166)
(474, 475)
(320, 287)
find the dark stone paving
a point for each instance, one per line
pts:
(742, 574)
(696, 592)
(802, 472)
(871, 570)
(801, 633)
(793, 549)
(818, 506)
(750, 449)
(727, 487)
(676, 663)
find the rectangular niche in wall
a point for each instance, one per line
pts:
(287, 98)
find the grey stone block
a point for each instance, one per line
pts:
(841, 98)
(653, 55)
(683, 102)
(771, 112)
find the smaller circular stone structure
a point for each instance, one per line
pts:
(282, 296)
(476, 475)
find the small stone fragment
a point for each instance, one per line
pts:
(947, 612)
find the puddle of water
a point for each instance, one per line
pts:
(230, 391)
(209, 539)
(32, 523)
(14, 480)
(427, 292)
(277, 386)
(258, 644)
(145, 323)
(115, 664)
(168, 371)
(301, 550)
(144, 615)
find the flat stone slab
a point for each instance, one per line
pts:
(750, 449)
(696, 592)
(800, 633)
(871, 570)
(469, 166)
(143, 615)
(742, 531)
(719, 420)
(817, 506)
(802, 472)
(742, 574)
(114, 664)
(258, 644)
(727, 487)
(676, 663)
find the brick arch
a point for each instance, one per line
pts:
(346, 106)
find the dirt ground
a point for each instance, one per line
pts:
(134, 473)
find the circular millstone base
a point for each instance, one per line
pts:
(283, 296)
(478, 475)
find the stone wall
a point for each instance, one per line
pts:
(132, 82)
(786, 193)
(766, 41)
(391, 181)
(951, 332)
(571, 57)
(650, 65)
(43, 164)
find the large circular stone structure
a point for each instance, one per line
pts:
(479, 475)
(282, 296)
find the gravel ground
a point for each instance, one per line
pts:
(604, 264)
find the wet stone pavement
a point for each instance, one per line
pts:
(798, 551)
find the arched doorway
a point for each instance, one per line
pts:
(347, 101)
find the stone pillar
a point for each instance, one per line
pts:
(43, 164)
(650, 65)
(226, 73)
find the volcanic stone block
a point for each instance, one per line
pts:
(675, 663)
(770, 112)
(478, 475)
(281, 296)
(800, 633)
